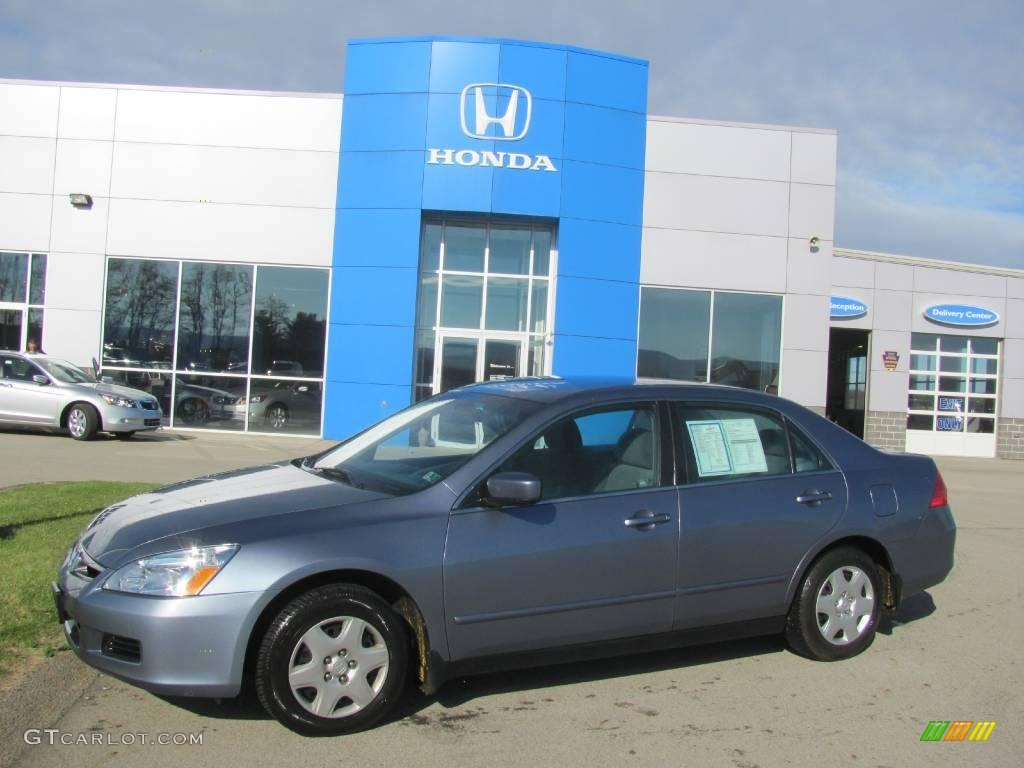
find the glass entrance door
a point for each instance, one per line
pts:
(466, 359)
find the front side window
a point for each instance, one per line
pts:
(600, 452)
(422, 445)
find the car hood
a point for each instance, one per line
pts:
(239, 496)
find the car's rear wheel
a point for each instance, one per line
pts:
(333, 661)
(277, 416)
(82, 421)
(835, 613)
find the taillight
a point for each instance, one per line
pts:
(940, 498)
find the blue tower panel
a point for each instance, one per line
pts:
(603, 192)
(587, 356)
(387, 67)
(356, 295)
(377, 237)
(604, 135)
(380, 180)
(538, 68)
(352, 407)
(384, 122)
(606, 81)
(599, 249)
(596, 308)
(450, 63)
(370, 354)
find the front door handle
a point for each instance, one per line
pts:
(645, 519)
(813, 498)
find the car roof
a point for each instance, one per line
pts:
(552, 389)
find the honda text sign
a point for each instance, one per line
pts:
(493, 112)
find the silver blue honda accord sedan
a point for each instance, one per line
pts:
(505, 523)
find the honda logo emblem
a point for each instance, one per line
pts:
(511, 120)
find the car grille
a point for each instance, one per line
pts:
(122, 648)
(151, 422)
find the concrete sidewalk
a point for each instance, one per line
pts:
(164, 456)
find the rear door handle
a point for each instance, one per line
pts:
(645, 519)
(813, 498)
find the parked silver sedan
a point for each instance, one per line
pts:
(36, 390)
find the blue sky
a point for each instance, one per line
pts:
(927, 95)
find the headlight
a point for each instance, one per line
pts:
(257, 398)
(122, 402)
(172, 574)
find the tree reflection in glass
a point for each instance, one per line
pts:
(213, 318)
(138, 330)
(290, 326)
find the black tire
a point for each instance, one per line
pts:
(82, 421)
(123, 435)
(856, 608)
(284, 646)
(277, 415)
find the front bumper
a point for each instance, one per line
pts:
(115, 418)
(178, 646)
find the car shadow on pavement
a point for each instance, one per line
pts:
(157, 436)
(461, 690)
(913, 608)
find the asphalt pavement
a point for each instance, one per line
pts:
(954, 653)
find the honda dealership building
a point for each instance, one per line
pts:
(472, 210)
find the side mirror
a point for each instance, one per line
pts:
(106, 379)
(40, 379)
(512, 489)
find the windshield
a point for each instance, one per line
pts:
(423, 444)
(65, 372)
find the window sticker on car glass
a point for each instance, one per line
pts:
(745, 446)
(709, 447)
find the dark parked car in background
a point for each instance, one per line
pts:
(501, 523)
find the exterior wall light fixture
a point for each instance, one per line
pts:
(80, 200)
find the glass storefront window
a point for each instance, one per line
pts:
(464, 247)
(491, 323)
(509, 251)
(674, 334)
(210, 402)
(139, 316)
(679, 340)
(214, 318)
(285, 406)
(290, 322)
(13, 276)
(506, 304)
(746, 340)
(461, 301)
(193, 354)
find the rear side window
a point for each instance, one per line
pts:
(806, 456)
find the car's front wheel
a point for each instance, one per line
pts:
(82, 421)
(333, 661)
(835, 613)
(277, 416)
